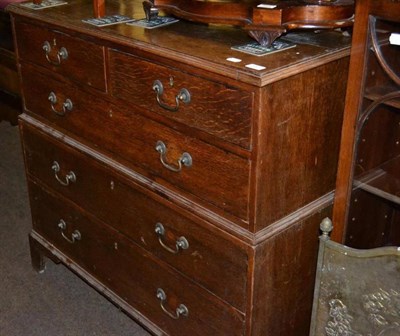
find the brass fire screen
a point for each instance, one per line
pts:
(357, 292)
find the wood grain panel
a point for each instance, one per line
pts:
(284, 279)
(299, 141)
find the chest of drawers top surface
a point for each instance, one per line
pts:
(199, 46)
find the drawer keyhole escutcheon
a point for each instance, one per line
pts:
(182, 96)
(185, 159)
(69, 177)
(62, 53)
(182, 310)
(181, 242)
(76, 235)
(66, 106)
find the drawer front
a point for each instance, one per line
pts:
(61, 103)
(212, 259)
(214, 175)
(222, 111)
(133, 274)
(71, 57)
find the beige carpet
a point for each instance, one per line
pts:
(56, 302)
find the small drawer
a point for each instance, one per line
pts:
(60, 102)
(212, 107)
(173, 159)
(149, 286)
(71, 57)
(214, 259)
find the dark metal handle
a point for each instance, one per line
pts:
(182, 96)
(70, 177)
(76, 235)
(182, 310)
(181, 242)
(66, 106)
(185, 159)
(62, 53)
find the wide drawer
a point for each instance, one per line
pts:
(213, 259)
(215, 108)
(71, 57)
(214, 175)
(137, 277)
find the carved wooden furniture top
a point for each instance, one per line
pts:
(264, 21)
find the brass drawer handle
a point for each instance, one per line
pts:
(182, 310)
(70, 177)
(62, 53)
(182, 96)
(185, 159)
(66, 106)
(181, 242)
(76, 235)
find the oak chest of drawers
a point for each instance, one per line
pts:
(185, 188)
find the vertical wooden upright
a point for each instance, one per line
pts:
(99, 8)
(369, 145)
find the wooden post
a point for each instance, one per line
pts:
(99, 8)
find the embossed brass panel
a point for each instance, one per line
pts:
(357, 292)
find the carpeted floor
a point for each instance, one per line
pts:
(56, 302)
